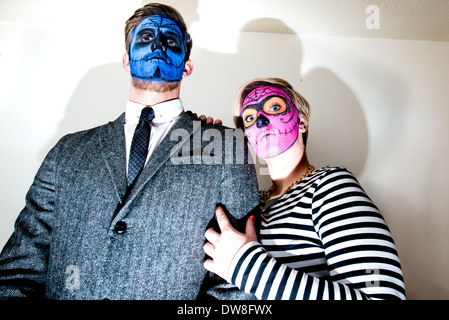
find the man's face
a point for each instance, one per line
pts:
(270, 120)
(157, 51)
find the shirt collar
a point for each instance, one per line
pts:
(164, 111)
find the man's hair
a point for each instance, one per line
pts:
(160, 10)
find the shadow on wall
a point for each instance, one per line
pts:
(100, 96)
(338, 129)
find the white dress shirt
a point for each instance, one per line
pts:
(166, 114)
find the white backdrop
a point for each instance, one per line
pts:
(379, 107)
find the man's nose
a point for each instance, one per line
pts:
(158, 43)
(262, 121)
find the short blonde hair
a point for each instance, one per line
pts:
(300, 103)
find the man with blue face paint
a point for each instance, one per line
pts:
(110, 215)
(157, 52)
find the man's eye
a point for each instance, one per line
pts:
(172, 43)
(147, 37)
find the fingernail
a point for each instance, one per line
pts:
(253, 218)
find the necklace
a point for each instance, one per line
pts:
(267, 194)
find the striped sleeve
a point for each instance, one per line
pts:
(361, 256)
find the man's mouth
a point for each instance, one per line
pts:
(157, 57)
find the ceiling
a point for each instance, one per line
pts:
(398, 19)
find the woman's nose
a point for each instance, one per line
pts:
(262, 121)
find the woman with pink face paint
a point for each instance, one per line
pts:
(318, 235)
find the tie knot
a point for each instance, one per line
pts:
(147, 114)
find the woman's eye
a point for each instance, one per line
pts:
(275, 105)
(275, 108)
(250, 118)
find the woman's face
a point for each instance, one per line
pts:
(270, 120)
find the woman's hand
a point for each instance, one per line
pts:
(223, 247)
(209, 120)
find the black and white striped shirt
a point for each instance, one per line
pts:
(323, 239)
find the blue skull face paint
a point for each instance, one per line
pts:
(157, 51)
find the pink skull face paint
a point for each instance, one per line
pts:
(270, 120)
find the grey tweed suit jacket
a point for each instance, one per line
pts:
(84, 235)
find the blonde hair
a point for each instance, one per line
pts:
(300, 103)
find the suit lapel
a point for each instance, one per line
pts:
(113, 150)
(164, 151)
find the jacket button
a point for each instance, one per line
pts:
(120, 227)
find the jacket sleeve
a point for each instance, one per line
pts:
(23, 260)
(240, 198)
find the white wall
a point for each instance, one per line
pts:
(379, 107)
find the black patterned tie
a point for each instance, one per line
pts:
(139, 145)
